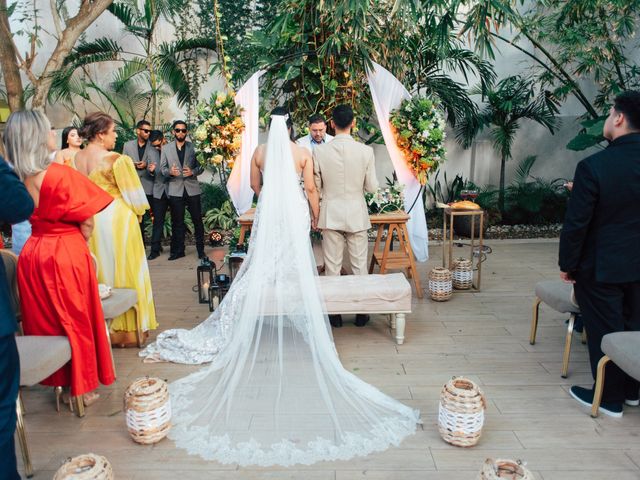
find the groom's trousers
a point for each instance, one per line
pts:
(333, 243)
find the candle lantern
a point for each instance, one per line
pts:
(218, 290)
(205, 272)
(235, 260)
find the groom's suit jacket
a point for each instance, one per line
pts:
(344, 170)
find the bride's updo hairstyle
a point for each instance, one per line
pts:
(283, 112)
(94, 124)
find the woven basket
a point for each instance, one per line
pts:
(461, 412)
(505, 469)
(440, 285)
(85, 467)
(462, 275)
(148, 410)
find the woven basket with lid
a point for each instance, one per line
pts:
(148, 410)
(85, 467)
(461, 412)
(440, 284)
(504, 469)
(462, 275)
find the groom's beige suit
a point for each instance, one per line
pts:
(344, 170)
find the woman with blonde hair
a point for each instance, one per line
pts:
(56, 277)
(116, 241)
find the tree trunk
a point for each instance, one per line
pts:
(89, 11)
(503, 162)
(9, 63)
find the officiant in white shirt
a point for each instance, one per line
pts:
(317, 133)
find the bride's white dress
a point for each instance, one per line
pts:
(275, 392)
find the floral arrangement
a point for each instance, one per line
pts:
(418, 125)
(385, 200)
(218, 136)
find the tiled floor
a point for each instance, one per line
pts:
(480, 335)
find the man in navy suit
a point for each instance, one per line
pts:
(599, 246)
(16, 206)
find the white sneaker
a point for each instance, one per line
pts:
(632, 403)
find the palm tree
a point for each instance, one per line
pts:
(512, 100)
(155, 67)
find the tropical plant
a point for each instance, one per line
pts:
(573, 41)
(166, 227)
(223, 217)
(67, 31)
(444, 192)
(513, 100)
(157, 66)
(213, 195)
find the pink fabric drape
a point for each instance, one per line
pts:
(387, 94)
(239, 182)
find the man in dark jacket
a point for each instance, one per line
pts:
(16, 205)
(599, 246)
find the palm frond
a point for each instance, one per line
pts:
(128, 73)
(523, 170)
(99, 50)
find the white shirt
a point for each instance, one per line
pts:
(308, 142)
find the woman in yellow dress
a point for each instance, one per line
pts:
(116, 241)
(71, 145)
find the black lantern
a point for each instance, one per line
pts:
(205, 272)
(218, 290)
(235, 260)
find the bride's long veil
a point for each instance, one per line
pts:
(277, 392)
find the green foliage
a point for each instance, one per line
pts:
(590, 135)
(223, 218)
(166, 228)
(574, 43)
(213, 195)
(513, 100)
(444, 192)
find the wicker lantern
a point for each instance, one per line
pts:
(462, 274)
(461, 412)
(147, 410)
(505, 469)
(440, 284)
(85, 467)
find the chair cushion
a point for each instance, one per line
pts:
(121, 300)
(624, 349)
(366, 293)
(40, 356)
(558, 295)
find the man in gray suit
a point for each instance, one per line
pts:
(344, 170)
(178, 163)
(142, 155)
(160, 199)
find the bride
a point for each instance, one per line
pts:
(275, 392)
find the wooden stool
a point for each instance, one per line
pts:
(387, 258)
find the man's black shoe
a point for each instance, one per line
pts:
(361, 320)
(335, 320)
(175, 256)
(153, 255)
(201, 255)
(584, 396)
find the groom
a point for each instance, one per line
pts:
(344, 170)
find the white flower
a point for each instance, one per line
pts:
(207, 150)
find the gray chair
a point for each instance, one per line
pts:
(623, 349)
(40, 356)
(559, 296)
(120, 301)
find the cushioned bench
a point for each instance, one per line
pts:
(370, 294)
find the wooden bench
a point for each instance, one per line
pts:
(369, 294)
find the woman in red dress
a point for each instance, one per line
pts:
(56, 277)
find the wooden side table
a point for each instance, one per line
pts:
(447, 239)
(246, 221)
(387, 258)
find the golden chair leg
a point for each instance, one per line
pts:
(78, 403)
(567, 346)
(22, 439)
(534, 321)
(58, 392)
(597, 393)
